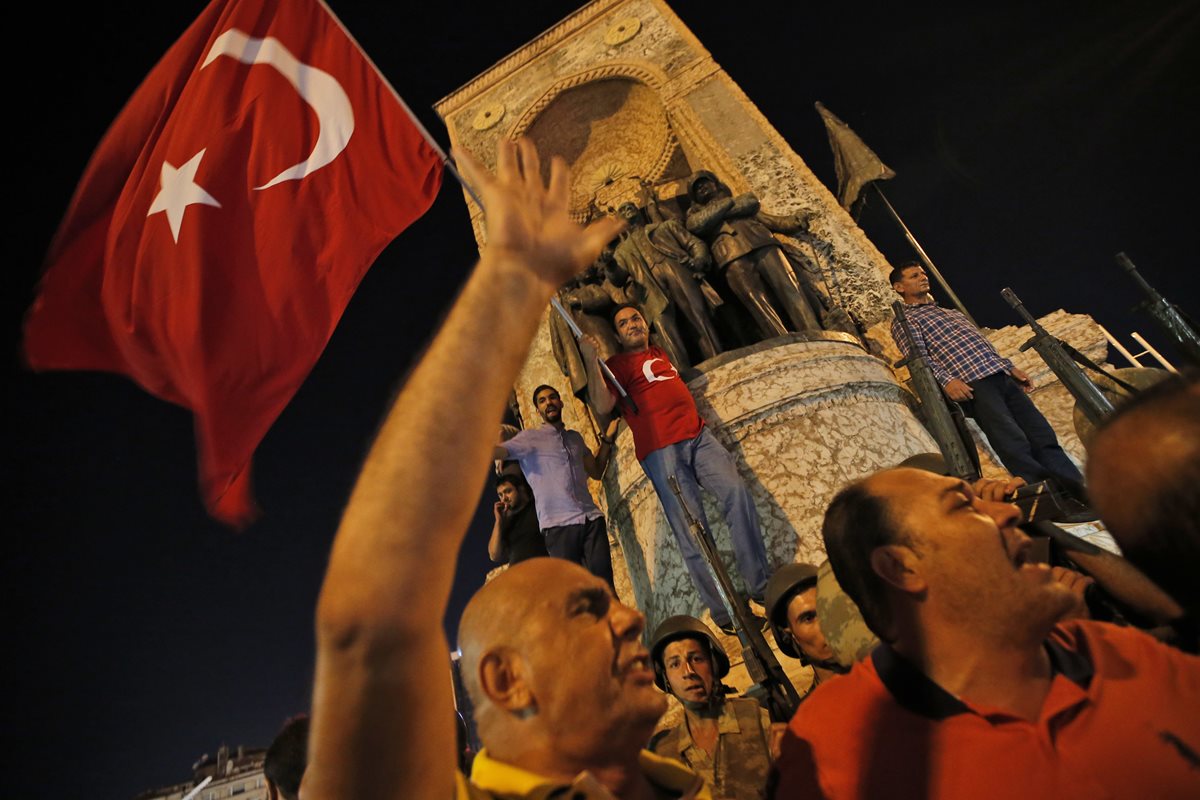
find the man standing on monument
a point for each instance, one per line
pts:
(991, 389)
(668, 261)
(671, 440)
(557, 464)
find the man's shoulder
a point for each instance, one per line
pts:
(847, 698)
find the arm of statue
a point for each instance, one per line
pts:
(745, 205)
(382, 711)
(785, 223)
(704, 219)
(497, 552)
(600, 397)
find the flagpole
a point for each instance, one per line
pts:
(912, 240)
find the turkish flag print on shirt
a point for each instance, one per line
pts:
(225, 220)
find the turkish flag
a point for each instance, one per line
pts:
(225, 220)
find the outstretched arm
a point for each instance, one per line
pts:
(382, 724)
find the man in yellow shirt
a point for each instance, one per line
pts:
(563, 689)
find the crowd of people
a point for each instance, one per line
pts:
(991, 674)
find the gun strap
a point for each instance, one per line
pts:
(1083, 360)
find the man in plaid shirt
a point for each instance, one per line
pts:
(988, 386)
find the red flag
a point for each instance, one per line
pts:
(225, 220)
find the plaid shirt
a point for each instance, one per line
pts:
(955, 348)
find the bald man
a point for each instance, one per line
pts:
(563, 689)
(1144, 479)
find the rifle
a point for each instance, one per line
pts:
(771, 685)
(943, 417)
(1053, 351)
(1166, 314)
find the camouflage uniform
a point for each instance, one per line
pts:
(742, 759)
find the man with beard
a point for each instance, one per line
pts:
(515, 533)
(792, 611)
(557, 464)
(727, 740)
(978, 689)
(561, 685)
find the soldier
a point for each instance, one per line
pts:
(727, 740)
(792, 611)
(739, 235)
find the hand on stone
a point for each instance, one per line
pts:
(529, 229)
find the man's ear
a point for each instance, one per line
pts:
(503, 676)
(897, 565)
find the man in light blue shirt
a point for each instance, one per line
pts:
(557, 464)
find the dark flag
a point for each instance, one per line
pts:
(856, 164)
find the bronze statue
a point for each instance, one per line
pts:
(668, 263)
(739, 235)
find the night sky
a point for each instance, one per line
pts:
(1030, 147)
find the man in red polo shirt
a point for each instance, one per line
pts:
(671, 440)
(976, 691)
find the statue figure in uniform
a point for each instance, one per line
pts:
(738, 233)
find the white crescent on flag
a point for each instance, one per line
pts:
(335, 115)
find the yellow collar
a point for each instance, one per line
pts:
(507, 780)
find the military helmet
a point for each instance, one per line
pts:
(842, 623)
(683, 626)
(701, 175)
(787, 581)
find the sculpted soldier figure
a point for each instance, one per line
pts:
(739, 236)
(667, 261)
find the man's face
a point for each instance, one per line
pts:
(632, 331)
(689, 670)
(805, 627)
(514, 499)
(590, 673)
(549, 405)
(913, 283)
(628, 212)
(971, 556)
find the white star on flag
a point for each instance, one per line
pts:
(178, 190)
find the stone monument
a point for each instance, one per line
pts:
(627, 95)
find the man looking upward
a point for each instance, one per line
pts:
(991, 389)
(672, 440)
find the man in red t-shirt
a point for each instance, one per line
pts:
(670, 438)
(978, 690)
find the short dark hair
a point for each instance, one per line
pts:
(507, 477)
(612, 317)
(538, 390)
(857, 522)
(287, 757)
(897, 274)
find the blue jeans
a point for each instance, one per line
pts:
(703, 462)
(1018, 432)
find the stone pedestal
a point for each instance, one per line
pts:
(803, 415)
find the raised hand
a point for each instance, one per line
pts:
(528, 225)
